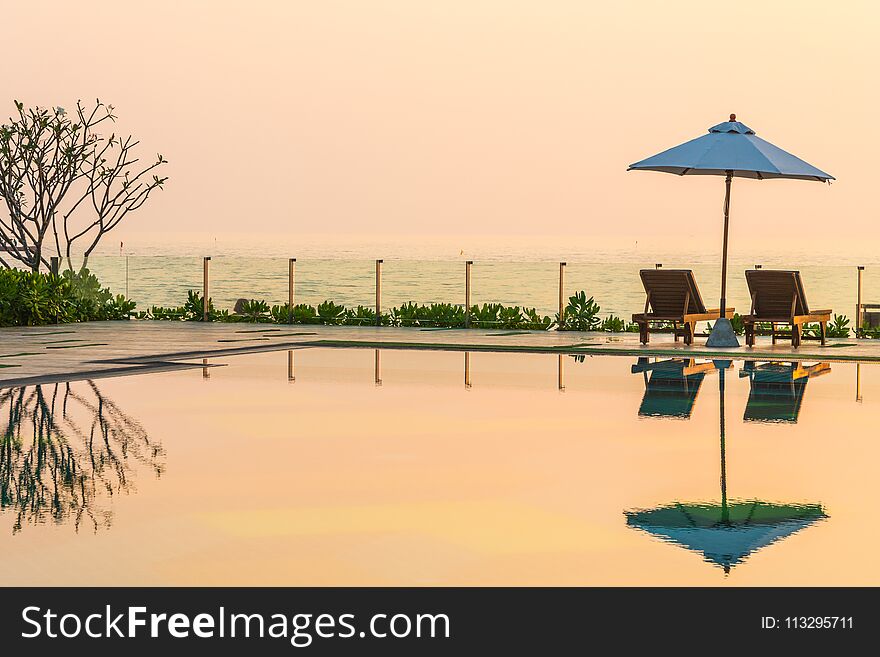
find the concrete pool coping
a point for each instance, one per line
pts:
(30, 355)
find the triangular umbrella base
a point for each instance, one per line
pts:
(722, 334)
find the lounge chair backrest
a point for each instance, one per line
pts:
(668, 288)
(773, 291)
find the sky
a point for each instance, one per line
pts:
(402, 120)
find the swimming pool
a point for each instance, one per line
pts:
(361, 467)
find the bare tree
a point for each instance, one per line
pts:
(62, 178)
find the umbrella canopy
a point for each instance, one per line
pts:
(726, 538)
(731, 147)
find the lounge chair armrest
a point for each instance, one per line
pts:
(818, 316)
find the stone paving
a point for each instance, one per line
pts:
(99, 349)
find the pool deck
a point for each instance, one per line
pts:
(46, 354)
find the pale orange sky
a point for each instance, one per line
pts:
(458, 118)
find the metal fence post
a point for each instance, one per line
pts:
(467, 370)
(206, 263)
(291, 282)
(561, 296)
(861, 268)
(379, 292)
(467, 293)
(658, 265)
(377, 369)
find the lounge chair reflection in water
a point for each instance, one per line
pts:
(777, 389)
(671, 386)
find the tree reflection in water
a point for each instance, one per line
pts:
(66, 451)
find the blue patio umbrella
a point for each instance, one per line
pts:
(730, 149)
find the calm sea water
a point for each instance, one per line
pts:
(511, 278)
(445, 468)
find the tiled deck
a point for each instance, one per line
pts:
(100, 349)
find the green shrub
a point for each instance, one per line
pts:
(362, 316)
(581, 314)
(536, 322)
(614, 324)
(255, 311)
(838, 327)
(485, 316)
(300, 314)
(871, 332)
(330, 313)
(34, 299)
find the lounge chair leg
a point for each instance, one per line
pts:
(822, 332)
(773, 332)
(675, 332)
(796, 336)
(691, 332)
(643, 332)
(750, 335)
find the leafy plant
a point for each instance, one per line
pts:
(536, 322)
(510, 317)
(581, 314)
(871, 332)
(33, 299)
(444, 315)
(838, 327)
(330, 313)
(194, 308)
(255, 311)
(485, 316)
(300, 314)
(361, 316)
(614, 324)
(406, 315)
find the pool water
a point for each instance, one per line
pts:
(357, 467)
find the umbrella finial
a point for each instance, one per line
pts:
(733, 117)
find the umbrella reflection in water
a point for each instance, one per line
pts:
(725, 533)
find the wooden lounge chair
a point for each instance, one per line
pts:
(673, 296)
(778, 298)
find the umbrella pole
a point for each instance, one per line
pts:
(727, 182)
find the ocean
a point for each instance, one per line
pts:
(513, 272)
